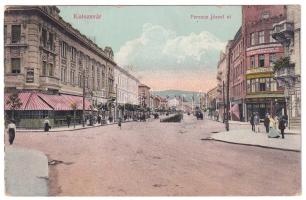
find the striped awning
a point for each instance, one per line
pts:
(24, 98)
(36, 103)
(40, 101)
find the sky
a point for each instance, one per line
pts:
(165, 47)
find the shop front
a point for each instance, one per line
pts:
(271, 105)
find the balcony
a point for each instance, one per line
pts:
(285, 76)
(283, 32)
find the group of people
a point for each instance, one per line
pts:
(270, 123)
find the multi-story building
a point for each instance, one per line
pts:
(43, 53)
(288, 33)
(144, 96)
(237, 81)
(222, 72)
(263, 93)
(126, 85)
(212, 96)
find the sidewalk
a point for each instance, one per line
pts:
(26, 172)
(292, 142)
(65, 128)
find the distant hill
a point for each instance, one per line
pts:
(172, 93)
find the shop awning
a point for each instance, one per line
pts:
(40, 101)
(35, 103)
(24, 98)
(78, 100)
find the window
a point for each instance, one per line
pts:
(271, 38)
(5, 33)
(261, 60)
(44, 37)
(16, 32)
(15, 65)
(265, 15)
(272, 59)
(44, 69)
(63, 74)
(268, 84)
(261, 37)
(63, 49)
(252, 38)
(30, 76)
(73, 54)
(262, 84)
(252, 61)
(80, 80)
(50, 42)
(51, 70)
(273, 85)
(72, 79)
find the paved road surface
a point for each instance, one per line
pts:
(153, 158)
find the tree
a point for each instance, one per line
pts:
(73, 105)
(281, 63)
(14, 102)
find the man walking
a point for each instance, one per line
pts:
(119, 122)
(282, 125)
(252, 122)
(68, 120)
(256, 122)
(267, 122)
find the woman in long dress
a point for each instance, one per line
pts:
(273, 132)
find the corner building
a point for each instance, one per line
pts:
(263, 93)
(45, 54)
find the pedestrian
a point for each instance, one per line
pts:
(11, 128)
(119, 122)
(46, 124)
(273, 132)
(256, 122)
(282, 125)
(252, 122)
(68, 120)
(267, 122)
(99, 119)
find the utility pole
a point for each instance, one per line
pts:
(83, 114)
(223, 101)
(116, 108)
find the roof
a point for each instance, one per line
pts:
(40, 101)
(143, 85)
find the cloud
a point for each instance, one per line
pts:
(161, 50)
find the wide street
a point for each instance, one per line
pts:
(153, 158)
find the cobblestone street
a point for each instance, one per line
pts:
(153, 158)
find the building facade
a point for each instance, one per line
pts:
(237, 81)
(212, 96)
(288, 33)
(263, 93)
(222, 72)
(144, 96)
(43, 53)
(126, 86)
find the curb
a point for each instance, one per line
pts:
(255, 145)
(86, 127)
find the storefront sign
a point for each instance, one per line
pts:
(259, 70)
(265, 50)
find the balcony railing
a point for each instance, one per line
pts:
(283, 31)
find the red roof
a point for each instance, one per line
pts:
(39, 101)
(24, 98)
(35, 103)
